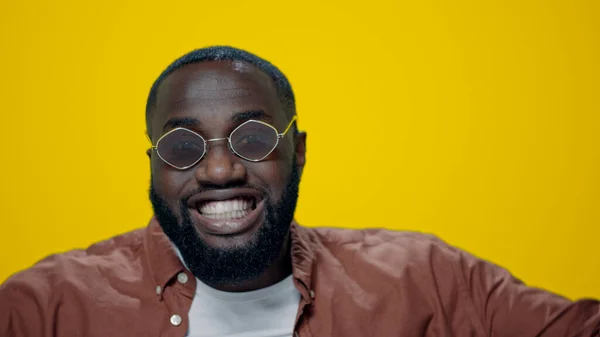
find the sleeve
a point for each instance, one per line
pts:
(507, 307)
(22, 311)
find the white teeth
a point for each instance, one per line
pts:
(226, 209)
(228, 215)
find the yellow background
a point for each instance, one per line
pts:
(474, 120)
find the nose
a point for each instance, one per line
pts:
(220, 167)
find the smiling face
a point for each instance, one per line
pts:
(228, 216)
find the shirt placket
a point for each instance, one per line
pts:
(176, 297)
(307, 298)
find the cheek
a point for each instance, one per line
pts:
(272, 174)
(168, 183)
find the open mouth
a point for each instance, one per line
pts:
(229, 211)
(235, 208)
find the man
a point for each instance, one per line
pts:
(224, 257)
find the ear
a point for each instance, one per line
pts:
(300, 142)
(149, 151)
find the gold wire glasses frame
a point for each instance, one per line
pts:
(230, 145)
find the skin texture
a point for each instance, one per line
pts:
(211, 94)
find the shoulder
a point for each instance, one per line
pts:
(59, 272)
(32, 298)
(392, 252)
(379, 240)
(401, 253)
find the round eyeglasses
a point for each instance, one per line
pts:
(252, 140)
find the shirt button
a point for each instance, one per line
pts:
(175, 320)
(158, 290)
(182, 278)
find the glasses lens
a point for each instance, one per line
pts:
(181, 148)
(254, 140)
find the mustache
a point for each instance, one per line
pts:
(210, 187)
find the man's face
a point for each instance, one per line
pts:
(228, 217)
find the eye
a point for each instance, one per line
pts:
(254, 140)
(185, 146)
(253, 134)
(250, 138)
(181, 142)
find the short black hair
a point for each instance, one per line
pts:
(226, 53)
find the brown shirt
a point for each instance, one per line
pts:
(352, 283)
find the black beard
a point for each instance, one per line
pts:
(232, 266)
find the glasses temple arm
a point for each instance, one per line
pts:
(288, 127)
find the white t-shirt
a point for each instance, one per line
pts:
(266, 312)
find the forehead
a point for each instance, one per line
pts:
(216, 89)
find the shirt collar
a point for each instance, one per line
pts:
(303, 257)
(164, 263)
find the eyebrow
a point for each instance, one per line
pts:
(240, 117)
(251, 114)
(180, 122)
